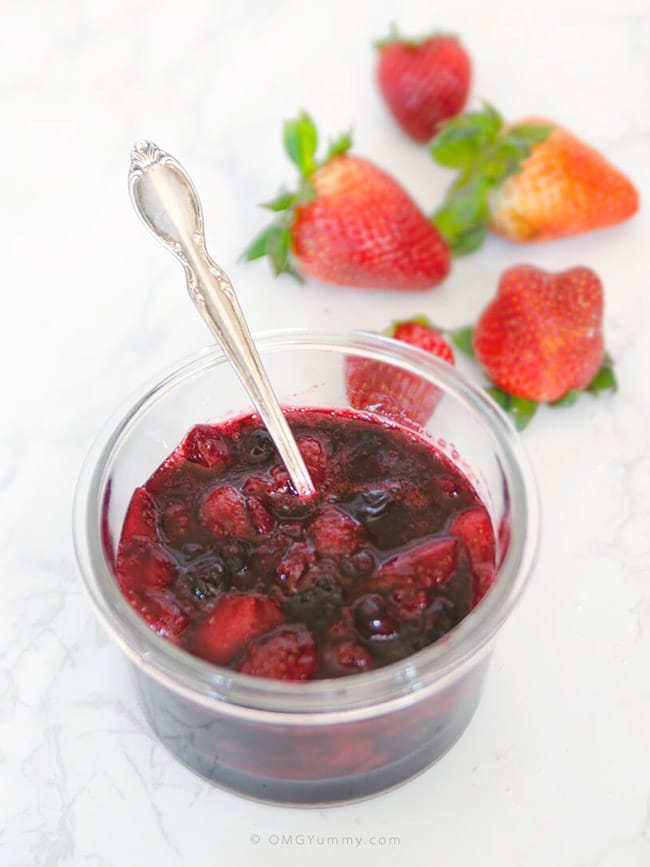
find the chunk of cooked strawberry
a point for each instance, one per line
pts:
(334, 532)
(142, 563)
(293, 565)
(429, 564)
(141, 516)
(161, 611)
(474, 528)
(353, 657)
(235, 620)
(224, 512)
(204, 445)
(286, 653)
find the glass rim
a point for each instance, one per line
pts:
(327, 700)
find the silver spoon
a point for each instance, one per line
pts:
(165, 198)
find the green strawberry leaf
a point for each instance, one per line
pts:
(277, 247)
(529, 134)
(604, 380)
(568, 399)
(485, 154)
(520, 409)
(339, 146)
(281, 202)
(463, 339)
(258, 246)
(301, 143)
(395, 36)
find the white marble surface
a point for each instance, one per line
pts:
(555, 768)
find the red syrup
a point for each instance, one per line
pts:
(220, 556)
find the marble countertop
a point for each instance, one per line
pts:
(555, 767)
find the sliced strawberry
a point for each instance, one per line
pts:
(474, 528)
(161, 612)
(204, 445)
(142, 563)
(293, 565)
(141, 517)
(223, 512)
(335, 533)
(430, 564)
(235, 620)
(286, 653)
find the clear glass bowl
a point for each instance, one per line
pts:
(326, 741)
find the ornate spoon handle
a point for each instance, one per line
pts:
(166, 199)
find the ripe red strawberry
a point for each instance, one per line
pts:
(424, 81)
(235, 620)
(349, 223)
(373, 385)
(287, 653)
(533, 181)
(431, 564)
(541, 340)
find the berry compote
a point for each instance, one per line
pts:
(221, 556)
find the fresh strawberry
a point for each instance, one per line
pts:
(540, 339)
(349, 223)
(374, 385)
(287, 653)
(235, 620)
(474, 528)
(533, 181)
(424, 81)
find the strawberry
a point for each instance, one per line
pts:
(533, 181)
(204, 445)
(431, 564)
(287, 653)
(373, 384)
(226, 512)
(141, 517)
(235, 620)
(424, 81)
(540, 339)
(349, 223)
(334, 532)
(474, 528)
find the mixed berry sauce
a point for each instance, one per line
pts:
(221, 556)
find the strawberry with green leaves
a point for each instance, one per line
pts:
(532, 181)
(423, 81)
(348, 222)
(373, 385)
(540, 340)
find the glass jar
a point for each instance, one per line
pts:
(323, 741)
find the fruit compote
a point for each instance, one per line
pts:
(221, 556)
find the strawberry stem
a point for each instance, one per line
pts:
(395, 36)
(484, 154)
